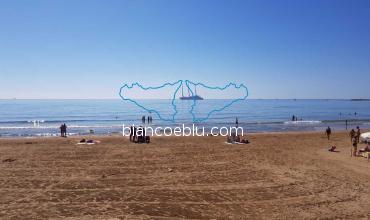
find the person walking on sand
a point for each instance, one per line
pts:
(328, 132)
(354, 144)
(358, 134)
(143, 119)
(352, 134)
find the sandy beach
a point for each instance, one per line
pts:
(277, 176)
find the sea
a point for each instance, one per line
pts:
(28, 118)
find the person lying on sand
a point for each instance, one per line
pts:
(235, 139)
(366, 149)
(245, 141)
(332, 149)
(84, 141)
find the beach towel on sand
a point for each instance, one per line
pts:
(88, 142)
(234, 143)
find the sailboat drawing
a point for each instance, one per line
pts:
(194, 96)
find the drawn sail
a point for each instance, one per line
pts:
(189, 96)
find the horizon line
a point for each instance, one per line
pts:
(356, 99)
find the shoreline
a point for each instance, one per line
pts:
(246, 134)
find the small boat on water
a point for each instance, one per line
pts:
(193, 97)
(190, 97)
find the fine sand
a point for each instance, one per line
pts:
(277, 176)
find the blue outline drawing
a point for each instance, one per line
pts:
(195, 119)
(158, 87)
(187, 83)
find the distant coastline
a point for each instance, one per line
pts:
(360, 100)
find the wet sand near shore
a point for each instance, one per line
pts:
(276, 176)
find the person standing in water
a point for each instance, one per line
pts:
(65, 129)
(61, 130)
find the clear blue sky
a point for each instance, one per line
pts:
(279, 49)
